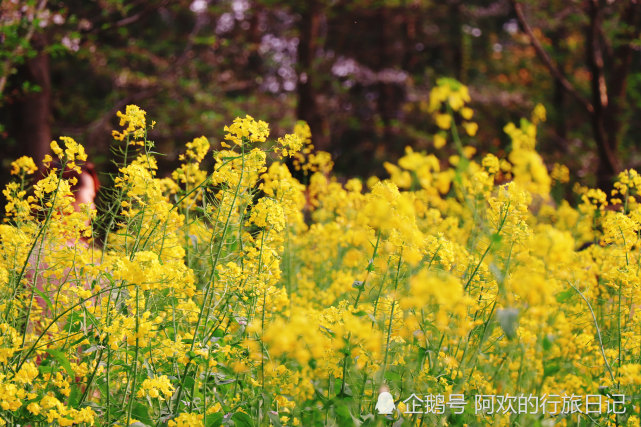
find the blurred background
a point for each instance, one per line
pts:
(358, 71)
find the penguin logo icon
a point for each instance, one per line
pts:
(385, 404)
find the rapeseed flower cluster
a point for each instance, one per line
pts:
(235, 294)
(23, 165)
(136, 125)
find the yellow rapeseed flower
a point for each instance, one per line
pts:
(24, 164)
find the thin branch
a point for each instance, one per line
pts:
(606, 142)
(621, 56)
(151, 7)
(97, 124)
(9, 63)
(102, 25)
(598, 331)
(547, 61)
(600, 90)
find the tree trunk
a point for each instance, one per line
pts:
(411, 21)
(386, 103)
(607, 145)
(456, 38)
(33, 131)
(307, 108)
(618, 76)
(560, 124)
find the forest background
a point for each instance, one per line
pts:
(358, 71)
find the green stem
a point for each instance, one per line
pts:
(210, 284)
(370, 267)
(135, 375)
(598, 331)
(391, 320)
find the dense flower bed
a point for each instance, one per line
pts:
(239, 295)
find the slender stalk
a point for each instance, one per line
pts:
(133, 385)
(598, 332)
(210, 284)
(391, 319)
(370, 267)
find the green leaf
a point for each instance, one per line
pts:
(45, 297)
(346, 391)
(214, 420)
(74, 396)
(274, 419)
(222, 380)
(329, 331)
(551, 369)
(362, 313)
(140, 413)
(267, 400)
(392, 376)
(547, 342)
(241, 419)
(62, 359)
(368, 420)
(565, 295)
(509, 320)
(189, 382)
(344, 417)
(320, 396)
(370, 265)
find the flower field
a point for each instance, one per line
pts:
(236, 294)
